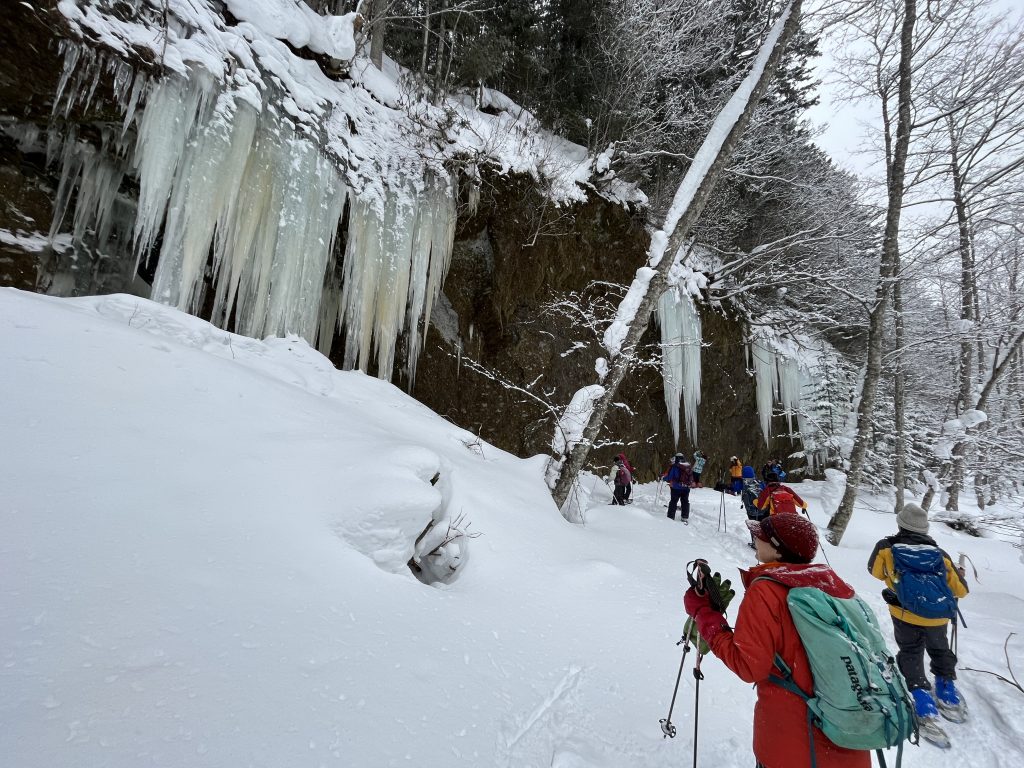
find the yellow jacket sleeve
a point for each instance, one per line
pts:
(956, 583)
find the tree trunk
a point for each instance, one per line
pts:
(377, 35)
(676, 235)
(967, 291)
(426, 41)
(899, 469)
(890, 256)
(442, 32)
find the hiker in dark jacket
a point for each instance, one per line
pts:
(776, 498)
(749, 495)
(898, 560)
(632, 476)
(772, 465)
(623, 480)
(786, 544)
(679, 477)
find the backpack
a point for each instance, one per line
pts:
(780, 500)
(920, 581)
(751, 490)
(860, 700)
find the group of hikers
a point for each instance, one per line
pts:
(803, 637)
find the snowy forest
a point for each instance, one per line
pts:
(547, 232)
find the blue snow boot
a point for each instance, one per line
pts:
(928, 718)
(924, 703)
(951, 704)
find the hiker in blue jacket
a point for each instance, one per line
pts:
(679, 477)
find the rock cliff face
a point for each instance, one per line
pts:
(495, 361)
(513, 257)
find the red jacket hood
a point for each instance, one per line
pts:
(814, 575)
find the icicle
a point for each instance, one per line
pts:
(172, 106)
(432, 250)
(680, 359)
(789, 389)
(204, 189)
(71, 52)
(393, 284)
(70, 170)
(311, 205)
(766, 378)
(363, 262)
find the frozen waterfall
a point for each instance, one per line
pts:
(255, 222)
(680, 358)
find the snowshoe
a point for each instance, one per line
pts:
(686, 521)
(950, 701)
(933, 733)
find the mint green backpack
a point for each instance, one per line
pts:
(860, 699)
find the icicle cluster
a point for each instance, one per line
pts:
(239, 198)
(783, 379)
(680, 358)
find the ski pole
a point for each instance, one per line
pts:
(698, 676)
(667, 728)
(657, 498)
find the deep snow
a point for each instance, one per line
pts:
(203, 551)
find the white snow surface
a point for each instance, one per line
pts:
(204, 539)
(575, 418)
(300, 25)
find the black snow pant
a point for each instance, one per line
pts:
(913, 641)
(680, 497)
(621, 491)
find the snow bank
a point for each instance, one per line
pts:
(201, 550)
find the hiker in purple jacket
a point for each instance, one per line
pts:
(679, 478)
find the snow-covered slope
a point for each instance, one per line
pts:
(204, 541)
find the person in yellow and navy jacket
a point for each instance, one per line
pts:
(923, 587)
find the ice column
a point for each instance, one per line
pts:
(396, 258)
(766, 378)
(790, 389)
(680, 358)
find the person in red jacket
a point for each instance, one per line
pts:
(777, 498)
(785, 545)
